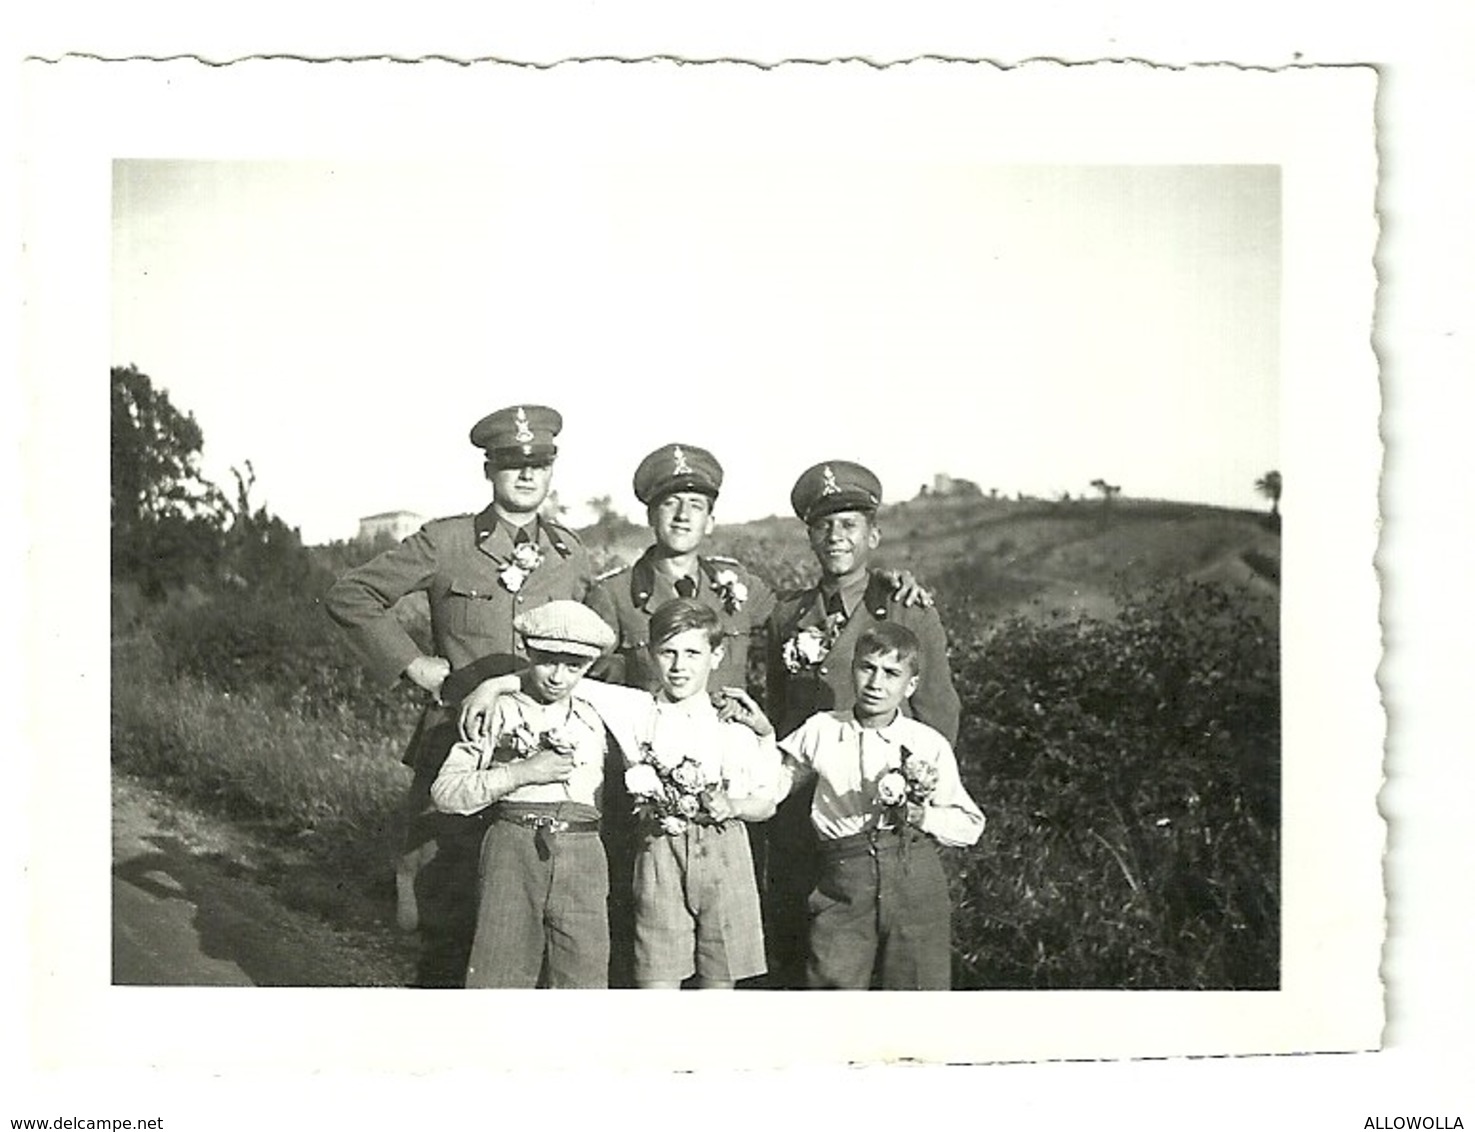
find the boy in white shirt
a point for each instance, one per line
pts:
(887, 786)
(696, 899)
(539, 765)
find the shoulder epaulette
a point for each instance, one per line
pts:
(724, 559)
(613, 571)
(446, 521)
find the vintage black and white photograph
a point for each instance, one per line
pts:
(673, 541)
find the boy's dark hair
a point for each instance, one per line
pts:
(683, 613)
(890, 637)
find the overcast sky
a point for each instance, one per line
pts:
(342, 325)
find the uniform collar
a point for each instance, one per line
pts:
(644, 579)
(487, 523)
(870, 590)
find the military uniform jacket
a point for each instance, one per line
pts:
(456, 563)
(627, 598)
(827, 686)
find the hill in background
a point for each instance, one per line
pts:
(1025, 556)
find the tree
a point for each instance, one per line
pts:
(166, 517)
(259, 549)
(1269, 485)
(1108, 491)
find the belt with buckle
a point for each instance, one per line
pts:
(546, 823)
(869, 843)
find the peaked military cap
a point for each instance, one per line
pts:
(677, 467)
(836, 485)
(518, 435)
(565, 627)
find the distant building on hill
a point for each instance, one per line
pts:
(393, 524)
(946, 485)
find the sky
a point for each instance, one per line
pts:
(342, 325)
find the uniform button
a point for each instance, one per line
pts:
(521, 598)
(824, 671)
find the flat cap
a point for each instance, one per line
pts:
(836, 485)
(518, 435)
(677, 467)
(565, 627)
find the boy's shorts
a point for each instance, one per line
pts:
(696, 906)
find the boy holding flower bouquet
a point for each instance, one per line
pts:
(538, 770)
(887, 789)
(694, 780)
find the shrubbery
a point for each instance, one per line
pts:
(285, 650)
(248, 754)
(1130, 771)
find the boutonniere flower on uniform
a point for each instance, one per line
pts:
(731, 589)
(808, 647)
(525, 559)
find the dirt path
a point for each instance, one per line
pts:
(197, 901)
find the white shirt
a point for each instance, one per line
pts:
(747, 765)
(475, 775)
(850, 759)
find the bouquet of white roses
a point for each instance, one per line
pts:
(670, 790)
(912, 783)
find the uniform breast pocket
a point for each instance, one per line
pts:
(473, 611)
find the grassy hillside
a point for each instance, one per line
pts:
(1029, 556)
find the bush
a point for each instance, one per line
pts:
(246, 754)
(285, 650)
(1130, 771)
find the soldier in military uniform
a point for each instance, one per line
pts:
(811, 643)
(678, 484)
(478, 572)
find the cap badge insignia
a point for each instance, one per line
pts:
(524, 433)
(682, 468)
(830, 486)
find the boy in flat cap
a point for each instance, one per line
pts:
(812, 636)
(537, 775)
(698, 780)
(479, 573)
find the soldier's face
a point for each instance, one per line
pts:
(843, 541)
(685, 662)
(551, 676)
(882, 681)
(521, 489)
(681, 521)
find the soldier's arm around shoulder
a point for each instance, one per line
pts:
(936, 700)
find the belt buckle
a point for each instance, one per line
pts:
(545, 824)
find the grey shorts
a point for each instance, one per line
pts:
(696, 906)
